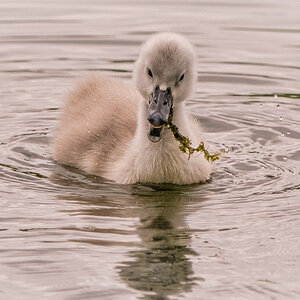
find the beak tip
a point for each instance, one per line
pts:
(157, 120)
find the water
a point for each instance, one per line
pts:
(65, 235)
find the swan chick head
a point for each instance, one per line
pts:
(167, 61)
(164, 74)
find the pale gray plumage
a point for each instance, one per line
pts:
(104, 126)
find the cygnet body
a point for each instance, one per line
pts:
(117, 130)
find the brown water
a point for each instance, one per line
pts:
(65, 235)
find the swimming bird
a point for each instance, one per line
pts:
(117, 129)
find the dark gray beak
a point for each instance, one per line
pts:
(159, 107)
(158, 112)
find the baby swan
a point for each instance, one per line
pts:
(115, 130)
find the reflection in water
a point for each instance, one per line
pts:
(162, 266)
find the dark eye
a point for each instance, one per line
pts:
(181, 78)
(149, 72)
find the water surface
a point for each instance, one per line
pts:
(67, 235)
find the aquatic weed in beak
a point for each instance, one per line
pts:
(186, 144)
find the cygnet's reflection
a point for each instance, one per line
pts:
(162, 266)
